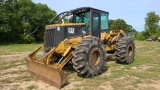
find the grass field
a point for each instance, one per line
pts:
(142, 74)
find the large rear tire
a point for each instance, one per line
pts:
(125, 50)
(89, 57)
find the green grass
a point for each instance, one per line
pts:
(147, 54)
(14, 72)
(25, 78)
(119, 77)
(31, 87)
(7, 80)
(11, 49)
(11, 64)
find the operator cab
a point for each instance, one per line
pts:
(78, 22)
(95, 20)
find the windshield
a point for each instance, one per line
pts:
(82, 18)
(79, 16)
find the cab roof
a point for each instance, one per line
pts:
(88, 8)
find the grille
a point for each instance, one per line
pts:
(49, 39)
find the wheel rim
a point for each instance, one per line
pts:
(130, 50)
(95, 57)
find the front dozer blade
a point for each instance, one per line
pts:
(48, 73)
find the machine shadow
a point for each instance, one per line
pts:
(110, 58)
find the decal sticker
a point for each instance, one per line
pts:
(58, 28)
(71, 30)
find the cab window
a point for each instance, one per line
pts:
(83, 18)
(104, 21)
(96, 20)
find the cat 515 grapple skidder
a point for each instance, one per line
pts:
(81, 36)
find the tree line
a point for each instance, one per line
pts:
(120, 24)
(23, 21)
(151, 28)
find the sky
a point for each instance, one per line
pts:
(132, 11)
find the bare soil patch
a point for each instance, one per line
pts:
(150, 85)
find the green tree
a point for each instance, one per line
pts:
(42, 17)
(23, 20)
(151, 24)
(9, 19)
(120, 24)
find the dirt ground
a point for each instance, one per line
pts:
(14, 77)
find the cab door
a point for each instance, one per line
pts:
(95, 24)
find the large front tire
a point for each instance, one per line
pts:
(89, 57)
